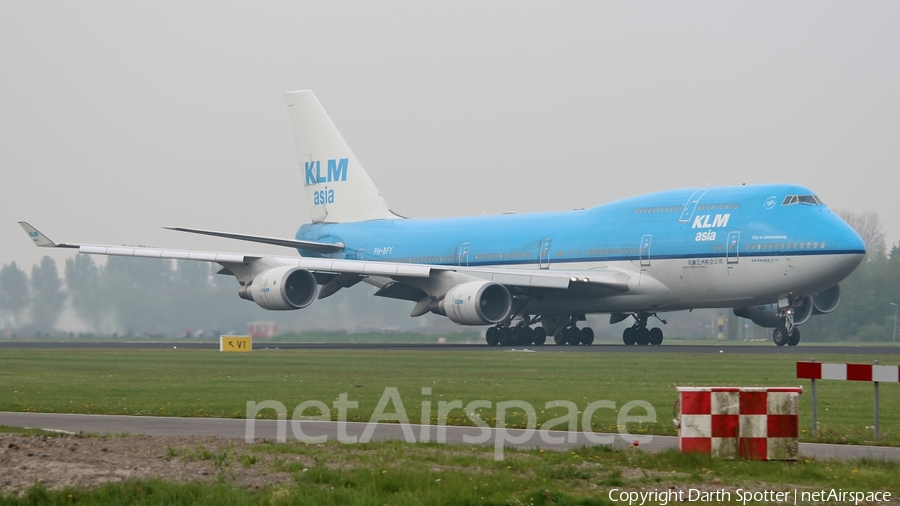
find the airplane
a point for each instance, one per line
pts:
(775, 253)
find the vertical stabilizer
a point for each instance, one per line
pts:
(337, 187)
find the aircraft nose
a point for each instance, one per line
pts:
(852, 248)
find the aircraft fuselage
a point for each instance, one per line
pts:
(688, 248)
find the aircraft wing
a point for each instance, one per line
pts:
(606, 278)
(245, 266)
(230, 259)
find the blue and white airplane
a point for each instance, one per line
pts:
(775, 253)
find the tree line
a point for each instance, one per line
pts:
(138, 296)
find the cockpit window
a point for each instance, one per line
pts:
(811, 200)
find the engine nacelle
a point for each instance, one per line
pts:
(827, 301)
(477, 303)
(823, 302)
(282, 288)
(767, 315)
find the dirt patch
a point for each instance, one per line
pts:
(73, 461)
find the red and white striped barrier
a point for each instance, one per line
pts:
(848, 372)
(757, 423)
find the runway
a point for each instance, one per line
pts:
(256, 430)
(261, 344)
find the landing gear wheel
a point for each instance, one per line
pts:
(492, 336)
(506, 336)
(793, 339)
(540, 336)
(643, 336)
(629, 337)
(780, 336)
(587, 336)
(573, 336)
(656, 336)
(519, 336)
(560, 338)
(527, 336)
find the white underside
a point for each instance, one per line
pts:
(681, 284)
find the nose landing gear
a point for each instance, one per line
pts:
(788, 333)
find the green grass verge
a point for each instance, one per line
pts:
(457, 337)
(177, 382)
(400, 473)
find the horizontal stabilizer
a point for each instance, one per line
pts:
(319, 247)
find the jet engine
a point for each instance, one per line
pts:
(281, 288)
(823, 302)
(767, 315)
(827, 301)
(476, 303)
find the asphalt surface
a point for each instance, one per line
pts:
(350, 432)
(260, 344)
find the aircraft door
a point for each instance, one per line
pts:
(645, 250)
(545, 254)
(731, 251)
(464, 254)
(691, 206)
(361, 254)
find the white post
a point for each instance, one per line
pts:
(815, 428)
(896, 307)
(876, 406)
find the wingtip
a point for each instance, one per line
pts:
(39, 239)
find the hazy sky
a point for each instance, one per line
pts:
(120, 117)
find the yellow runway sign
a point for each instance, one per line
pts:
(235, 343)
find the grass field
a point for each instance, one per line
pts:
(176, 382)
(400, 473)
(398, 337)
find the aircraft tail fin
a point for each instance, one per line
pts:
(337, 187)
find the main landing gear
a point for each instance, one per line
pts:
(639, 333)
(574, 336)
(525, 332)
(520, 335)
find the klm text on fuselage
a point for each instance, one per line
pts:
(703, 222)
(336, 171)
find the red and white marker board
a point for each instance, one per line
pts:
(759, 423)
(848, 372)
